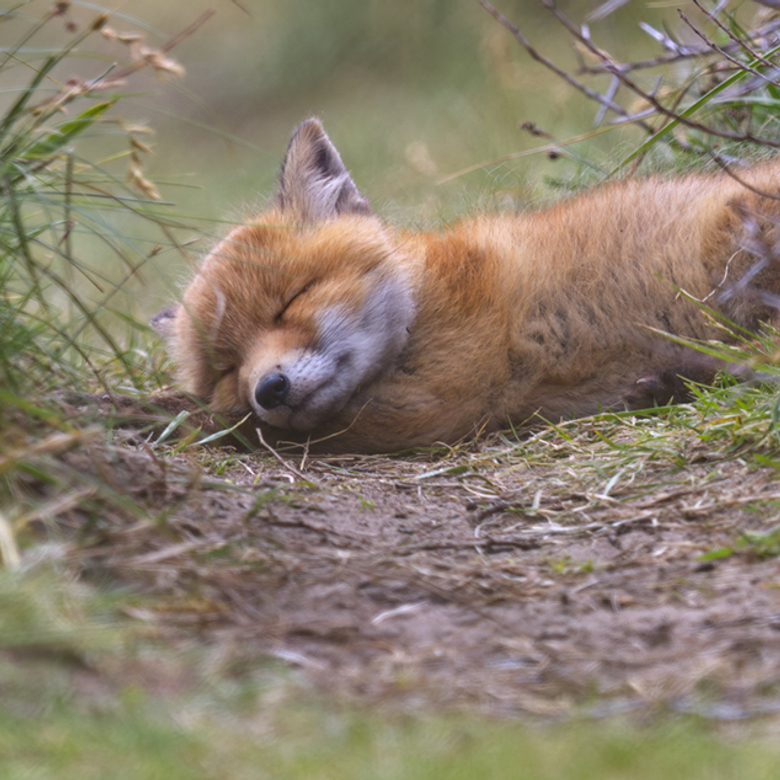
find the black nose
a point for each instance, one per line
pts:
(272, 391)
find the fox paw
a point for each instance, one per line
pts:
(672, 385)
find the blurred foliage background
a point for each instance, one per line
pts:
(410, 92)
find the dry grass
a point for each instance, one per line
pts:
(620, 559)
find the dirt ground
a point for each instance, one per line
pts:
(504, 577)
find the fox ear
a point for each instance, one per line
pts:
(314, 184)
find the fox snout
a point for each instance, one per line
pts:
(305, 385)
(272, 391)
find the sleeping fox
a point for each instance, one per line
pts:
(329, 324)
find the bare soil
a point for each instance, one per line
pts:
(507, 577)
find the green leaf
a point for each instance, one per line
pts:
(715, 555)
(173, 425)
(66, 132)
(227, 431)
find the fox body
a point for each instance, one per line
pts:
(325, 322)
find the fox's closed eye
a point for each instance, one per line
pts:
(222, 368)
(294, 297)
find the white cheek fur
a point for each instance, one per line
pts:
(353, 348)
(366, 339)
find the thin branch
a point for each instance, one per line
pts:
(188, 31)
(738, 41)
(612, 89)
(611, 67)
(281, 460)
(173, 42)
(523, 41)
(652, 62)
(723, 53)
(690, 51)
(528, 152)
(723, 165)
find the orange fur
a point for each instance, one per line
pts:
(322, 319)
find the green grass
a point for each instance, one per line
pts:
(129, 741)
(88, 693)
(81, 227)
(80, 701)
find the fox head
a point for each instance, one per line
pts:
(294, 312)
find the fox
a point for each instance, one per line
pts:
(330, 326)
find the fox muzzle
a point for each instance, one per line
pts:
(272, 391)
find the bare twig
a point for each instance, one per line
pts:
(188, 31)
(614, 84)
(172, 43)
(726, 56)
(242, 7)
(281, 460)
(689, 52)
(528, 152)
(723, 165)
(578, 85)
(617, 70)
(738, 41)
(652, 62)
(605, 9)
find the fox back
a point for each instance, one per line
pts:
(328, 324)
